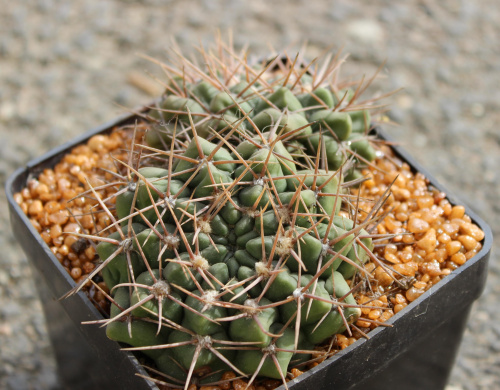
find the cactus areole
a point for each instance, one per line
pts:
(234, 246)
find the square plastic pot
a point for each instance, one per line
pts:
(418, 352)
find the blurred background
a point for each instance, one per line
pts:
(66, 67)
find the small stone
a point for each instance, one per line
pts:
(10, 309)
(428, 242)
(18, 381)
(417, 225)
(453, 387)
(4, 278)
(477, 109)
(85, 41)
(366, 31)
(5, 330)
(7, 111)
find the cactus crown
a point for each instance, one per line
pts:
(234, 245)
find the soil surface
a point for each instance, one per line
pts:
(66, 67)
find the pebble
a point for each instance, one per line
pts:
(417, 225)
(10, 309)
(7, 111)
(366, 31)
(18, 381)
(5, 330)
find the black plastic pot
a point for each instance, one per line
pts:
(418, 352)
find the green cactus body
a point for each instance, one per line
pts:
(339, 123)
(249, 360)
(312, 310)
(333, 322)
(177, 274)
(174, 104)
(320, 98)
(284, 123)
(282, 98)
(224, 101)
(283, 285)
(170, 309)
(361, 121)
(247, 329)
(206, 324)
(149, 243)
(122, 257)
(362, 147)
(184, 354)
(356, 253)
(160, 135)
(334, 156)
(140, 333)
(241, 247)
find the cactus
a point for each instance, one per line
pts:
(234, 249)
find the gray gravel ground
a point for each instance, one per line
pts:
(64, 66)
